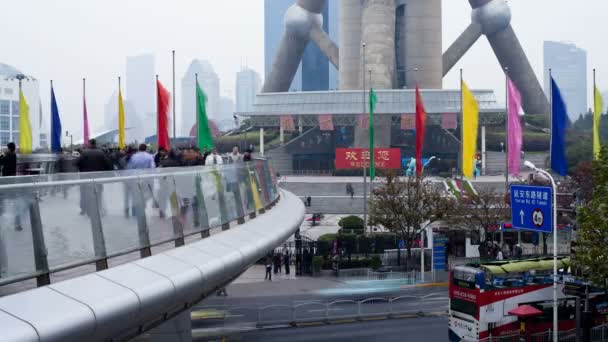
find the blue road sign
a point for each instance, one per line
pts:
(531, 208)
(439, 253)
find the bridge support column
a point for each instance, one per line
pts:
(282, 135)
(262, 141)
(178, 329)
(483, 150)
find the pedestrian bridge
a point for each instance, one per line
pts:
(110, 255)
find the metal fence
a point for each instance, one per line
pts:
(51, 223)
(318, 311)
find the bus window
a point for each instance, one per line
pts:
(462, 306)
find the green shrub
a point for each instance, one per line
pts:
(375, 262)
(351, 223)
(317, 264)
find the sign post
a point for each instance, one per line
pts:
(531, 208)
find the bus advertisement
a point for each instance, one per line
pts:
(481, 297)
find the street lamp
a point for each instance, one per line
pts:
(531, 166)
(427, 163)
(67, 134)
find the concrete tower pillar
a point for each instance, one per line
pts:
(378, 33)
(422, 44)
(350, 44)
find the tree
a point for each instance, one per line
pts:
(592, 235)
(407, 206)
(486, 209)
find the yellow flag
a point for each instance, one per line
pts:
(597, 118)
(470, 125)
(121, 121)
(25, 128)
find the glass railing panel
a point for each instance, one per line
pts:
(66, 213)
(210, 186)
(157, 209)
(16, 243)
(188, 202)
(232, 193)
(119, 205)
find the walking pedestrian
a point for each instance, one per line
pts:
(349, 190)
(308, 201)
(286, 262)
(92, 159)
(8, 161)
(235, 156)
(214, 158)
(268, 275)
(142, 159)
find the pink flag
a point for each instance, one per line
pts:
(85, 116)
(449, 121)
(515, 133)
(408, 121)
(326, 122)
(363, 121)
(287, 123)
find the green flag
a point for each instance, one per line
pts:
(372, 106)
(204, 138)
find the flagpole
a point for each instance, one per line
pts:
(555, 320)
(157, 116)
(461, 152)
(363, 162)
(196, 106)
(173, 99)
(551, 118)
(371, 152)
(507, 138)
(84, 92)
(594, 111)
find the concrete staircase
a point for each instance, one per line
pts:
(495, 161)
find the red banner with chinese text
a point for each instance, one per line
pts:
(357, 158)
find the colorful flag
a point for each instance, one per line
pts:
(55, 124)
(515, 133)
(420, 130)
(25, 127)
(449, 121)
(372, 107)
(326, 122)
(408, 122)
(85, 115)
(287, 123)
(598, 102)
(203, 132)
(121, 121)
(470, 125)
(162, 106)
(559, 123)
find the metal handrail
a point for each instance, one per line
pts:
(250, 178)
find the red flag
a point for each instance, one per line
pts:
(287, 123)
(162, 103)
(420, 127)
(326, 122)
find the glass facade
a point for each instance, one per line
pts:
(4, 123)
(4, 138)
(15, 108)
(315, 72)
(5, 107)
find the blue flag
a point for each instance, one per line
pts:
(559, 123)
(55, 125)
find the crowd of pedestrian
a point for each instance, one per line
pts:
(492, 250)
(275, 262)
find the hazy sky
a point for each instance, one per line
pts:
(66, 40)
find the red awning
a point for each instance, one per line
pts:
(525, 311)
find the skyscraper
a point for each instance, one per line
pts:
(248, 85)
(141, 90)
(568, 65)
(210, 83)
(315, 71)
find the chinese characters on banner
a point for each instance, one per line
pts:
(356, 158)
(408, 121)
(287, 123)
(326, 122)
(449, 121)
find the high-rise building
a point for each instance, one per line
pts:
(9, 106)
(315, 71)
(141, 89)
(209, 82)
(568, 64)
(134, 125)
(248, 85)
(225, 121)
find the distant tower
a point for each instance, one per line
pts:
(248, 84)
(209, 82)
(141, 90)
(568, 64)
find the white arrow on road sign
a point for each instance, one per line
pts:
(521, 214)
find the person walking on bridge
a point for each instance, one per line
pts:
(92, 159)
(8, 161)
